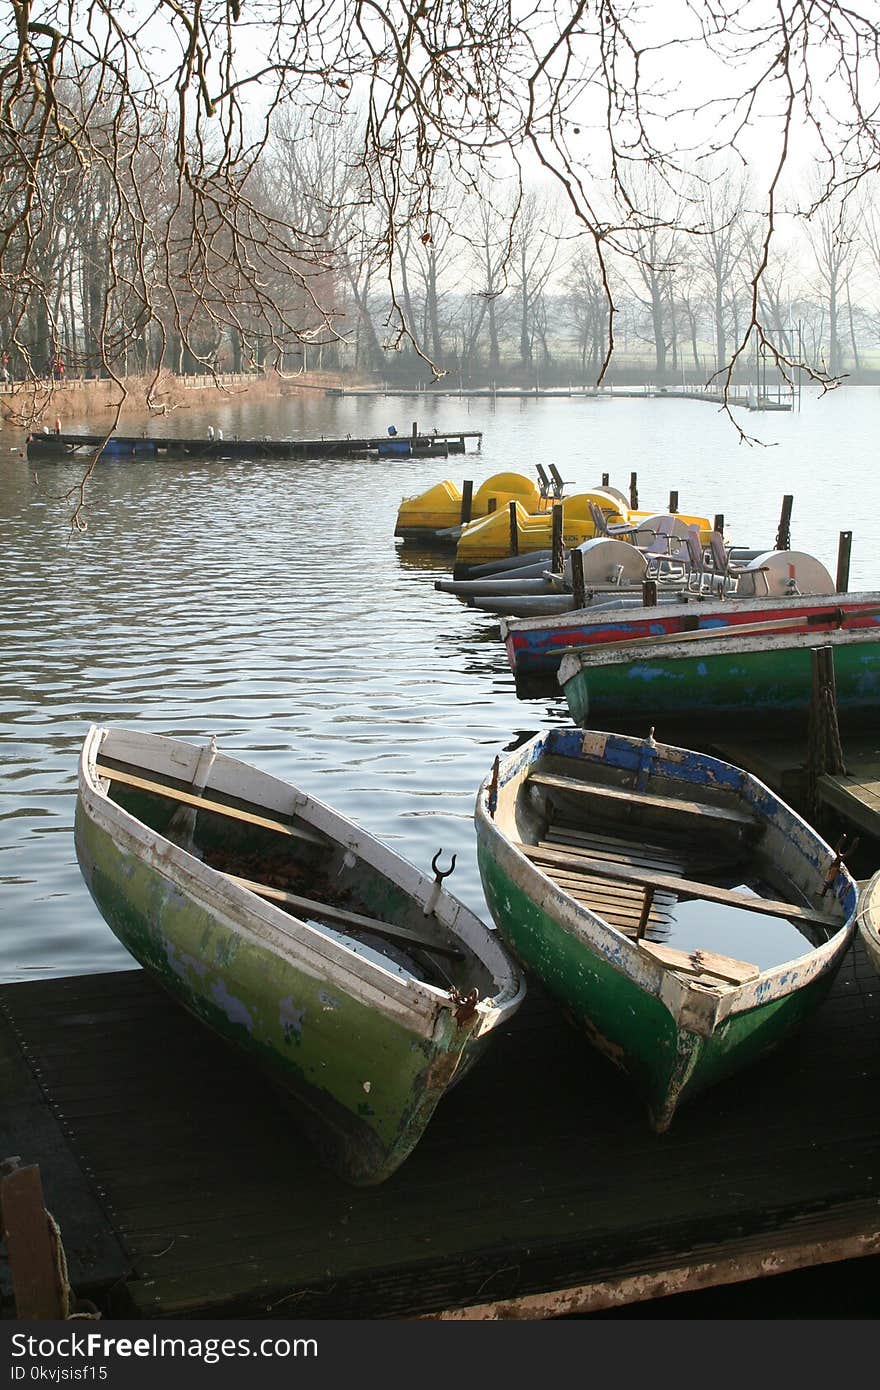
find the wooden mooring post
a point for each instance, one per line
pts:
(556, 553)
(467, 498)
(824, 749)
(633, 491)
(649, 593)
(783, 535)
(514, 530)
(844, 551)
(673, 503)
(578, 587)
(37, 1265)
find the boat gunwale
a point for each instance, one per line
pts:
(586, 617)
(573, 664)
(290, 936)
(708, 1003)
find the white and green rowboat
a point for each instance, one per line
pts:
(869, 920)
(684, 916)
(361, 985)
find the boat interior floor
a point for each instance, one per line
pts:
(299, 870)
(622, 904)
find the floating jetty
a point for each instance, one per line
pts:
(169, 1166)
(439, 444)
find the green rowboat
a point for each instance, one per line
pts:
(359, 984)
(700, 676)
(685, 917)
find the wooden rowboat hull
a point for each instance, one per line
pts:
(671, 1036)
(536, 648)
(750, 678)
(365, 1050)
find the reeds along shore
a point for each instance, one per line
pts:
(139, 396)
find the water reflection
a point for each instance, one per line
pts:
(267, 603)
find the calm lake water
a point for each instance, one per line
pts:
(268, 604)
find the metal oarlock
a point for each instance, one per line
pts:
(439, 875)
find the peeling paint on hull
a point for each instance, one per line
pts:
(536, 646)
(365, 1052)
(749, 678)
(672, 1039)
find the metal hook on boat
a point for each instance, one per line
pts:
(466, 1005)
(837, 864)
(439, 875)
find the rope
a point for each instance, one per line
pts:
(69, 1308)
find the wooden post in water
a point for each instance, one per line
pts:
(556, 557)
(844, 550)
(514, 533)
(467, 497)
(783, 535)
(578, 588)
(633, 491)
(718, 523)
(649, 593)
(673, 502)
(415, 431)
(605, 479)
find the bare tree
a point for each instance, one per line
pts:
(584, 90)
(831, 233)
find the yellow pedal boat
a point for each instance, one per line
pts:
(439, 509)
(489, 537)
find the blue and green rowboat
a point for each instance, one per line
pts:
(361, 985)
(701, 676)
(685, 917)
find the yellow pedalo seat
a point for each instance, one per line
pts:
(489, 538)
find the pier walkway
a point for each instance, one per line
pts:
(438, 444)
(182, 1187)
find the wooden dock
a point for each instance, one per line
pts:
(747, 400)
(851, 797)
(440, 444)
(182, 1188)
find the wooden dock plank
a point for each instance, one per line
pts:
(537, 1173)
(34, 1133)
(853, 795)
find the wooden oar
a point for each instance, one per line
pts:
(833, 619)
(354, 919)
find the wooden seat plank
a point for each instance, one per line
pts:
(203, 803)
(700, 962)
(644, 800)
(685, 887)
(586, 845)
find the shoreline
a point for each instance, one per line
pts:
(27, 404)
